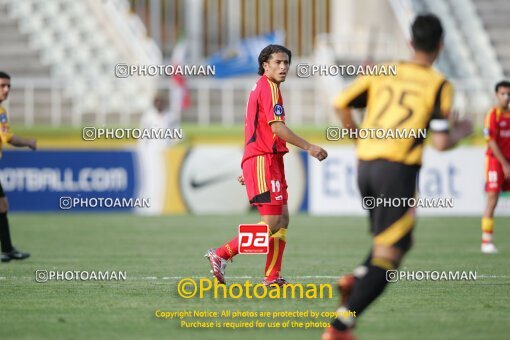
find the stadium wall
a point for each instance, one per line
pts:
(444, 175)
(202, 180)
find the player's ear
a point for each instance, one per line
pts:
(441, 44)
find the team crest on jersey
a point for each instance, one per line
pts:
(278, 110)
(3, 118)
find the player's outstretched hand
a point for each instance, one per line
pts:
(240, 179)
(318, 152)
(464, 127)
(32, 144)
(506, 171)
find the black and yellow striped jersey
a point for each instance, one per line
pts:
(418, 97)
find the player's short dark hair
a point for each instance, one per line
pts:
(503, 83)
(427, 33)
(4, 75)
(266, 53)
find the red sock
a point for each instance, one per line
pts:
(228, 250)
(274, 257)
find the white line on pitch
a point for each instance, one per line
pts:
(236, 277)
(482, 276)
(328, 277)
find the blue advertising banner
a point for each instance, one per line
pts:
(242, 58)
(69, 180)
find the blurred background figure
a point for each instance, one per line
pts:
(151, 159)
(497, 170)
(159, 116)
(7, 137)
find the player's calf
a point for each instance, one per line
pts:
(359, 293)
(488, 246)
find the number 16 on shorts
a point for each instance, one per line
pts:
(253, 239)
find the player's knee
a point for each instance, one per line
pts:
(388, 257)
(273, 222)
(4, 205)
(284, 221)
(406, 245)
(281, 222)
(492, 199)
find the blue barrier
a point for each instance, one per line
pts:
(37, 181)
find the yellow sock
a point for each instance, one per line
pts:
(487, 229)
(270, 232)
(281, 234)
(277, 243)
(487, 225)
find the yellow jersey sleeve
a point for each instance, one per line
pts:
(446, 99)
(442, 108)
(5, 129)
(355, 95)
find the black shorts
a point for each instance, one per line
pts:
(2, 194)
(392, 222)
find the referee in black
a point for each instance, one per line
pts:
(6, 136)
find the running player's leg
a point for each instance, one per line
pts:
(218, 257)
(5, 235)
(267, 190)
(346, 282)
(278, 225)
(488, 223)
(494, 179)
(366, 191)
(8, 250)
(392, 235)
(276, 215)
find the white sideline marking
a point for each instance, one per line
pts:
(488, 276)
(483, 276)
(166, 278)
(238, 277)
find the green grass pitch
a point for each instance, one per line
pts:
(154, 251)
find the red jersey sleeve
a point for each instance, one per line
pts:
(490, 130)
(271, 103)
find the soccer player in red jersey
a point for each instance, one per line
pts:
(266, 135)
(497, 164)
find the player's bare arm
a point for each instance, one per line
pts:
(23, 142)
(345, 115)
(444, 141)
(282, 131)
(500, 157)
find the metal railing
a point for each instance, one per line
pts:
(212, 101)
